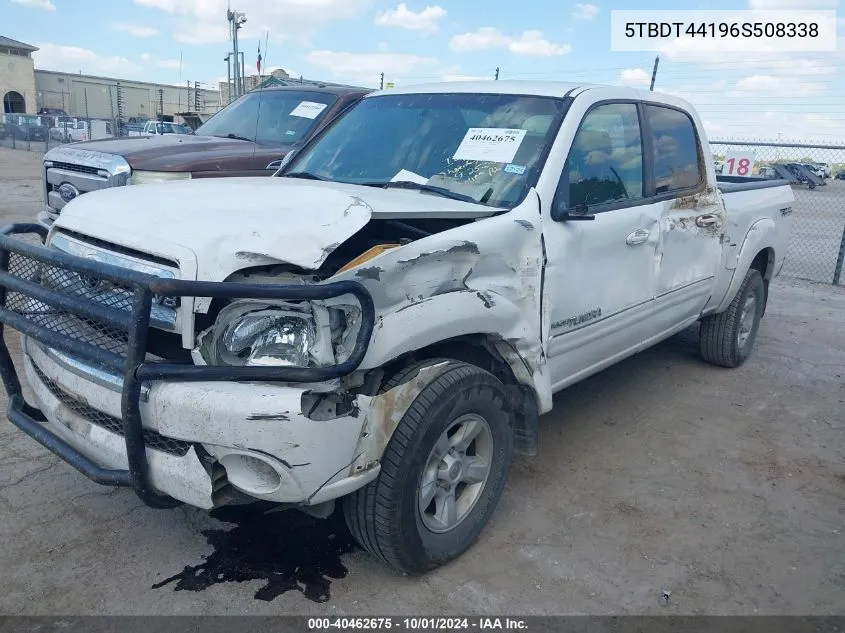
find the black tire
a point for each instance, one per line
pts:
(384, 516)
(720, 333)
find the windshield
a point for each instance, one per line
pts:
(487, 147)
(270, 117)
(164, 127)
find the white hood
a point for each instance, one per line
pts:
(214, 227)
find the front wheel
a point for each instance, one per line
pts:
(442, 473)
(728, 337)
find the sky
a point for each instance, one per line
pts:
(740, 95)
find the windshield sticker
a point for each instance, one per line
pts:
(513, 168)
(308, 109)
(290, 133)
(495, 144)
(408, 176)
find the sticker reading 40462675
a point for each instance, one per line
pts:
(493, 144)
(308, 109)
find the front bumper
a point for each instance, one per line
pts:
(246, 417)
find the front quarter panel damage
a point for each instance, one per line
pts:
(480, 278)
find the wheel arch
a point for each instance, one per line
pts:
(487, 351)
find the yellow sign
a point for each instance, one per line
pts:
(389, 84)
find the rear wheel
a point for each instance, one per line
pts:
(727, 338)
(442, 472)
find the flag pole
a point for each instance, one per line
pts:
(266, 43)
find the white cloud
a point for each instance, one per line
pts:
(585, 11)
(202, 33)
(136, 30)
(530, 43)
(635, 77)
(169, 63)
(773, 5)
(73, 59)
(484, 38)
(145, 57)
(775, 86)
(368, 65)
(204, 21)
(425, 21)
(40, 4)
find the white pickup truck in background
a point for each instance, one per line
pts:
(153, 128)
(383, 322)
(70, 130)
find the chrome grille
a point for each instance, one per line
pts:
(152, 439)
(164, 310)
(84, 170)
(61, 321)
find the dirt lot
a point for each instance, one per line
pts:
(725, 487)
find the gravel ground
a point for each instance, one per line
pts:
(724, 487)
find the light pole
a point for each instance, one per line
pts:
(236, 20)
(228, 60)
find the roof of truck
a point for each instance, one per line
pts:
(328, 89)
(537, 88)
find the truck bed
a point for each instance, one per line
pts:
(735, 184)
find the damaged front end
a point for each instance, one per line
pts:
(69, 318)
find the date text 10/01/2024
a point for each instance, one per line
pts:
(416, 624)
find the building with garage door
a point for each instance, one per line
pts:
(17, 76)
(97, 97)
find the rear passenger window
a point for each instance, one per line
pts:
(605, 163)
(677, 163)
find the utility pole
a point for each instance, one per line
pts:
(236, 21)
(654, 73)
(119, 91)
(381, 86)
(497, 73)
(228, 60)
(243, 75)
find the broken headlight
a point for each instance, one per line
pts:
(258, 333)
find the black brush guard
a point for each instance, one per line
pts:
(128, 324)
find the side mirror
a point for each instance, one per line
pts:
(562, 213)
(278, 165)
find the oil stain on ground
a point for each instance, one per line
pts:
(289, 550)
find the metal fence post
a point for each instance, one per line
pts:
(837, 272)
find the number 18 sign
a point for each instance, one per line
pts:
(739, 164)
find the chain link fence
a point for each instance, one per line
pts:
(816, 250)
(40, 133)
(817, 172)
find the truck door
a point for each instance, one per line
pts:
(692, 217)
(601, 274)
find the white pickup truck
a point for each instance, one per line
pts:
(383, 322)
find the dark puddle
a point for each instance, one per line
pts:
(289, 550)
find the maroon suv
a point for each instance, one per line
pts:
(249, 137)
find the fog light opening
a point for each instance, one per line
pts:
(251, 474)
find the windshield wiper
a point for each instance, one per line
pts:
(441, 191)
(307, 175)
(236, 137)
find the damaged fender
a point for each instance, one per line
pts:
(480, 278)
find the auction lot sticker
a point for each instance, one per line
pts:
(308, 109)
(739, 164)
(493, 144)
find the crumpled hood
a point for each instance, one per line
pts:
(213, 228)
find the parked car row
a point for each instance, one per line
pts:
(382, 322)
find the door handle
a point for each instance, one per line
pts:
(640, 236)
(708, 219)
